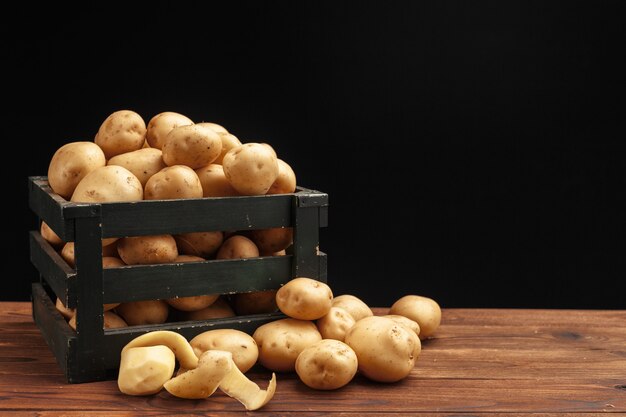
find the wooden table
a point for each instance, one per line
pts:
(482, 363)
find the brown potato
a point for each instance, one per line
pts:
(326, 365)
(108, 184)
(386, 350)
(304, 299)
(423, 310)
(335, 324)
(121, 132)
(214, 182)
(178, 181)
(203, 244)
(67, 313)
(49, 236)
(71, 163)
(237, 247)
(281, 341)
(251, 168)
(228, 142)
(137, 313)
(353, 305)
(111, 321)
(194, 146)
(219, 309)
(257, 302)
(161, 125)
(144, 163)
(143, 250)
(219, 129)
(411, 324)
(241, 345)
(285, 181)
(272, 240)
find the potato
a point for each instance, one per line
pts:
(228, 142)
(219, 309)
(71, 163)
(335, 324)
(177, 181)
(67, 253)
(67, 313)
(219, 129)
(202, 244)
(241, 345)
(161, 125)
(144, 250)
(49, 236)
(214, 182)
(251, 168)
(386, 350)
(279, 253)
(110, 250)
(121, 132)
(144, 370)
(237, 247)
(143, 312)
(196, 302)
(143, 163)
(257, 302)
(285, 182)
(272, 240)
(304, 299)
(111, 321)
(405, 321)
(111, 262)
(108, 184)
(281, 341)
(326, 365)
(353, 305)
(194, 146)
(423, 310)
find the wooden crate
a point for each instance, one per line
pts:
(91, 353)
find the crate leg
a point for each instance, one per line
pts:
(88, 353)
(306, 243)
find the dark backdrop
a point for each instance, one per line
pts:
(473, 151)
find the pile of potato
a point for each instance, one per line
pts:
(326, 340)
(171, 158)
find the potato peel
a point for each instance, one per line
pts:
(176, 342)
(215, 369)
(202, 381)
(239, 387)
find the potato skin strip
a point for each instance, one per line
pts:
(202, 381)
(239, 387)
(176, 342)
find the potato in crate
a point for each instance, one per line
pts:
(153, 246)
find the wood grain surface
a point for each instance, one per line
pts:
(481, 362)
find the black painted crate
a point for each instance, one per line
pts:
(91, 353)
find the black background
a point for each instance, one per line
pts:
(473, 152)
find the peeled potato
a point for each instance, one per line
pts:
(144, 370)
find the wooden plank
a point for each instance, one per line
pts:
(195, 215)
(480, 363)
(57, 334)
(53, 268)
(306, 242)
(149, 282)
(49, 207)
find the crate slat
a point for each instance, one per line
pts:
(149, 282)
(53, 269)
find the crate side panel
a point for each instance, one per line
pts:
(150, 282)
(54, 329)
(199, 215)
(116, 339)
(53, 268)
(49, 207)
